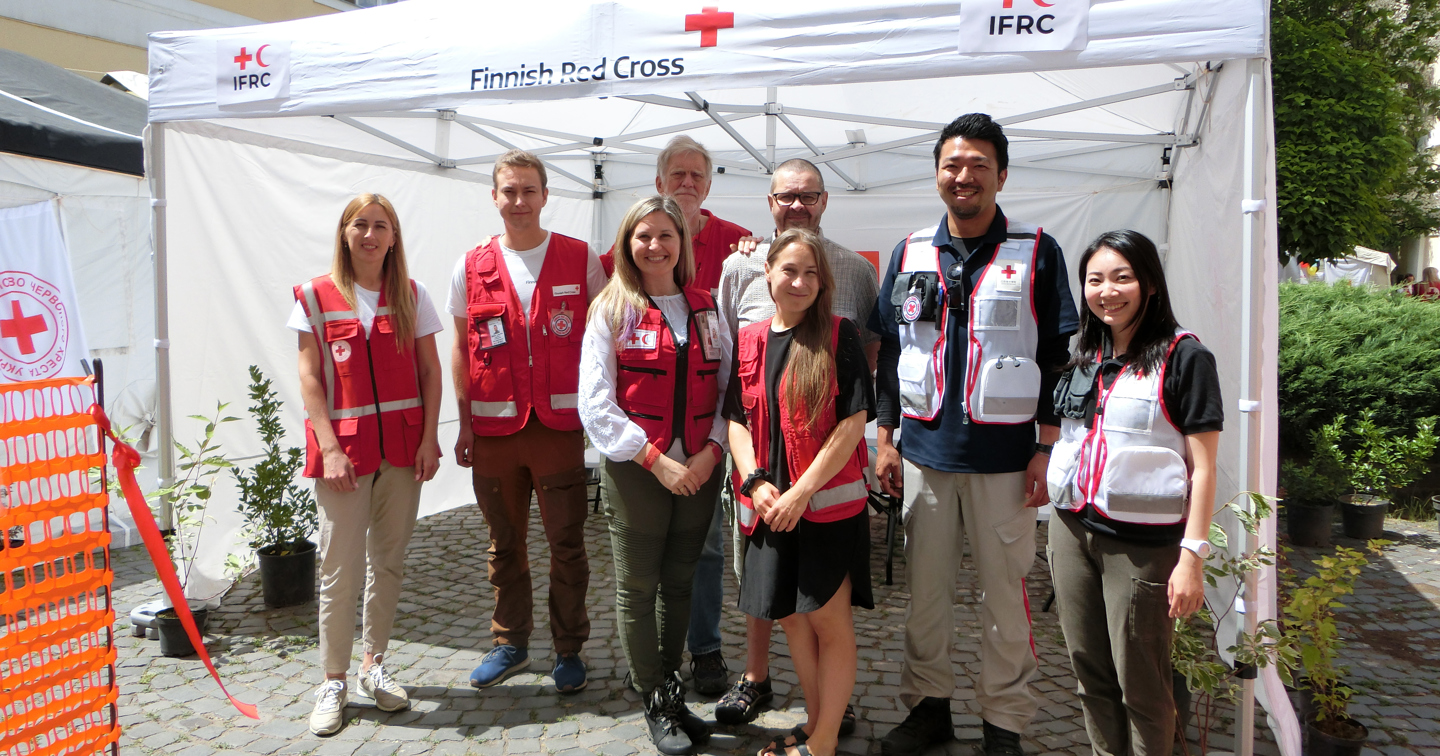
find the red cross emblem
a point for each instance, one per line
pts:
(1009, 271)
(709, 22)
(22, 328)
(243, 58)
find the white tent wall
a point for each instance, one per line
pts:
(105, 218)
(248, 220)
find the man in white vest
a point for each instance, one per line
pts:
(975, 316)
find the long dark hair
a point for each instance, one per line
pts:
(1155, 324)
(810, 368)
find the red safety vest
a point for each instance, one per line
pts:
(846, 493)
(648, 362)
(372, 388)
(508, 376)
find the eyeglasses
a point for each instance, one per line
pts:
(806, 198)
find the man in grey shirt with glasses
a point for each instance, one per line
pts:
(797, 200)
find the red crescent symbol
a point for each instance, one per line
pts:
(263, 64)
(1040, 3)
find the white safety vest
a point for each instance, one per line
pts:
(1002, 379)
(1132, 465)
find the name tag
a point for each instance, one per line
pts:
(565, 291)
(709, 326)
(492, 333)
(647, 340)
(1008, 274)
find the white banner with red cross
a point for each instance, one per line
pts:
(40, 334)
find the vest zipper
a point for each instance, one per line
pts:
(375, 392)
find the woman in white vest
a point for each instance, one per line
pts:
(797, 405)
(1132, 479)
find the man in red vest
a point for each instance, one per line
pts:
(682, 171)
(519, 302)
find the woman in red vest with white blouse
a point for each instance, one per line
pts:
(797, 405)
(370, 378)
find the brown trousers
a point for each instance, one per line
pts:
(506, 470)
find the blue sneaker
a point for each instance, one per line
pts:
(569, 673)
(498, 665)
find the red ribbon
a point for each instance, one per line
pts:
(126, 459)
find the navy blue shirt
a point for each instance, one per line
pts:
(950, 442)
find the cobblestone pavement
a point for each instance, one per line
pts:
(1392, 627)
(269, 657)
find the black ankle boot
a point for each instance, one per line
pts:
(694, 726)
(666, 731)
(928, 723)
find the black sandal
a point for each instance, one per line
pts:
(778, 745)
(743, 702)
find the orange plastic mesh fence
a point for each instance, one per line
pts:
(57, 651)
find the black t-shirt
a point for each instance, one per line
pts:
(1191, 393)
(852, 376)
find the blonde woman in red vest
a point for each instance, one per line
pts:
(653, 367)
(797, 405)
(370, 378)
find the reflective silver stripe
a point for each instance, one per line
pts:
(1146, 504)
(494, 409)
(340, 314)
(392, 406)
(746, 515)
(829, 497)
(317, 324)
(340, 414)
(382, 310)
(564, 401)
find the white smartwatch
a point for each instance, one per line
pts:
(1201, 548)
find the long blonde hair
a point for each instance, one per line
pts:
(810, 366)
(623, 301)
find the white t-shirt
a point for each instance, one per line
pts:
(524, 267)
(427, 320)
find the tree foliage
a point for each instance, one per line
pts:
(1354, 104)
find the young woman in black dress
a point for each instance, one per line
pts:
(797, 405)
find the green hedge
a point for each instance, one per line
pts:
(1344, 349)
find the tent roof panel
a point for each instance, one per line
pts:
(432, 57)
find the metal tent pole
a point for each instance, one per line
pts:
(1252, 242)
(164, 424)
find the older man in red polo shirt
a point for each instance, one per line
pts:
(683, 171)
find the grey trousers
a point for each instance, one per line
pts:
(363, 535)
(1111, 597)
(656, 538)
(941, 510)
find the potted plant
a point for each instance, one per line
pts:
(1310, 625)
(1194, 650)
(189, 497)
(1313, 487)
(279, 513)
(1380, 466)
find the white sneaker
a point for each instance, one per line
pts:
(388, 695)
(328, 716)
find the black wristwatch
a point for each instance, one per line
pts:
(1044, 448)
(758, 475)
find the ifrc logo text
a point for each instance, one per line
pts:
(251, 70)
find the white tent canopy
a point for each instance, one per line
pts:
(1155, 115)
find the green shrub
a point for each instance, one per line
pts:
(1345, 349)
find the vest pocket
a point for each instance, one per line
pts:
(1060, 475)
(1145, 483)
(342, 339)
(645, 389)
(414, 429)
(1130, 414)
(1009, 390)
(997, 314)
(917, 381)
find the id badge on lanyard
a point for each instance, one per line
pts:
(708, 324)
